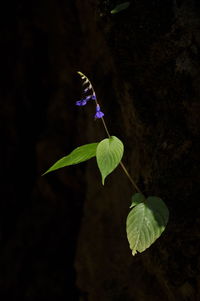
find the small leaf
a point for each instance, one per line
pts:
(109, 154)
(78, 155)
(137, 198)
(120, 7)
(145, 223)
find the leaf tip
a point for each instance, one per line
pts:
(134, 252)
(45, 173)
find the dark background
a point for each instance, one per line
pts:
(63, 235)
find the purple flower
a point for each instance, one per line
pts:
(98, 114)
(81, 102)
(89, 91)
(93, 96)
(84, 101)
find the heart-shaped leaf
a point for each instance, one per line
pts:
(145, 223)
(109, 154)
(78, 155)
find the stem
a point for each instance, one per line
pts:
(122, 165)
(130, 178)
(105, 127)
(107, 132)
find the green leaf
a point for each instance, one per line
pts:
(137, 198)
(145, 223)
(120, 7)
(78, 155)
(109, 154)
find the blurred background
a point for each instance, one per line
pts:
(63, 235)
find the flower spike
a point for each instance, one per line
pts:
(88, 89)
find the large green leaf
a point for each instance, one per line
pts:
(78, 155)
(109, 154)
(145, 223)
(120, 7)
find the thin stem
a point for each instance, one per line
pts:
(105, 127)
(121, 163)
(130, 178)
(107, 132)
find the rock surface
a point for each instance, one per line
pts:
(151, 96)
(63, 235)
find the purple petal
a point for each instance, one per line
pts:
(84, 101)
(88, 97)
(99, 114)
(81, 102)
(98, 108)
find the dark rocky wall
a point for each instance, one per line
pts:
(40, 217)
(151, 94)
(144, 64)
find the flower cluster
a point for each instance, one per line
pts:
(89, 94)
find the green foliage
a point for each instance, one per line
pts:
(145, 222)
(148, 217)
(109, 154)
(120, 7)
(78, 155)
(137, 198)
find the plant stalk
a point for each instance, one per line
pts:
(121, 163)
(107, 132)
